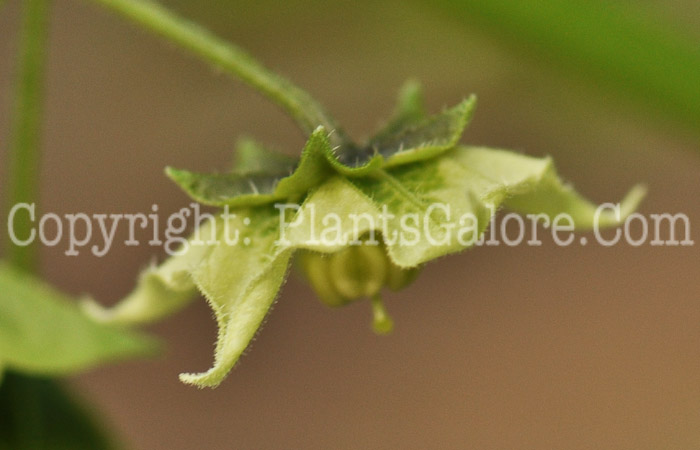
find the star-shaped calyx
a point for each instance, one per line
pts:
(413, 175)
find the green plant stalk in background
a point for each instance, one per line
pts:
(26, 417)
(25, 135)
(611, 43)
(42, 333)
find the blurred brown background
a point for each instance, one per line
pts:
(520, 348)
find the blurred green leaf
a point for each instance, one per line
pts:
(617, 45)
(43, 332)
(39, 414)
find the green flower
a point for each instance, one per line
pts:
(275, 207)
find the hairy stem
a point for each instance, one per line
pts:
(25, 132)
(306, 111)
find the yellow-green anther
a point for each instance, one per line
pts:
(358, 271)
(315, 268)
(354, 273)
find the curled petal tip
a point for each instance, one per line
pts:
(202, 380)
(96, 311)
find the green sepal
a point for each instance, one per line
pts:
(356, 161)
(426, 139)
(262, 176)
(253, 189)
(229, 189)
(312, 169)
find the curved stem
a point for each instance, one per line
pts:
(25, 133)
(306, 111)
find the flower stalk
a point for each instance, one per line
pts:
(232, 60)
